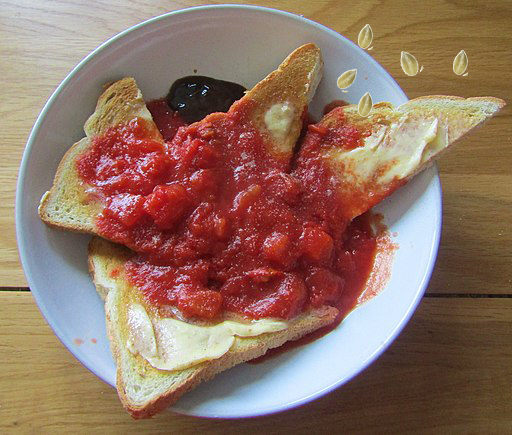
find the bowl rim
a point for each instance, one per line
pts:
(20, 186)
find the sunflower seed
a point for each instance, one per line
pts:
(409, 64)
(347, 78)
(460, 63)
(365, 105)
(365, 37)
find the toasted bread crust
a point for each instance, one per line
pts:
(106, 257)
(120, 102)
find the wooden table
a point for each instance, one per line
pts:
(451, 368)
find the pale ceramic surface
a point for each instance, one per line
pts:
(241, 44)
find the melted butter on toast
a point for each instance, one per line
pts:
(171, 344)
(395, 151)
(278, 120)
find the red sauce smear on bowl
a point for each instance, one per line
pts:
(220, 224)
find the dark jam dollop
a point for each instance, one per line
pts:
(221, 225)
(194, 97)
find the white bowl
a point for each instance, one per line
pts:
(241, 44)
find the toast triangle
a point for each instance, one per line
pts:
(145, 390)
(67, 205)
(396, 143)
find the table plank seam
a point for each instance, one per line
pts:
(468, 295)
(14, 289)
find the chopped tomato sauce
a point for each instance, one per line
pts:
(219, 224)
(168, 120)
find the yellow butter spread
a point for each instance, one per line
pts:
(278, 120)
(394, 151)
(171, 344)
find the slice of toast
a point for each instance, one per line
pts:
(145, 390)
(277, 106)
(392, 144)
(67, 205)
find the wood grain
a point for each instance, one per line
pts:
(41, 41)
(449, 371)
